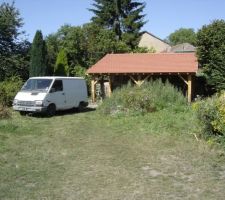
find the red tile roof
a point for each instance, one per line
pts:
(146, 63)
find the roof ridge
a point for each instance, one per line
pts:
(160, 53)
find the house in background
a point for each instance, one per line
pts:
(151, 41)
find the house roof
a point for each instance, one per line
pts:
(184, 47)
(146, 63)
(156, 37)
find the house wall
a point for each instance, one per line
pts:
(148, 40)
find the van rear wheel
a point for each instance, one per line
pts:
(51, 110)
(81, 106)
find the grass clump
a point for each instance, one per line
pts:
(150, 97)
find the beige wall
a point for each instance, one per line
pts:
(149, 41)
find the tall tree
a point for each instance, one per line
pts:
(124, 17)
(14, 57)
(211, 53)
(38, 65)
(61, 66)
(53, 46)
(182, 35)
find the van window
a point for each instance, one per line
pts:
(58, 85)
(37, 85)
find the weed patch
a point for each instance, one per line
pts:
(148, 98)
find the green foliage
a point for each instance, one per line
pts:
(211, 114)
(71, 39)
(61, 66)
(4, 112)
(101, 41)
(84, 45)
(38, 64)
(211, 53)
(8, 90)
(144, 50)
(150, 97)
(123, 17)
(182, 35)
(14, 56)
(52, 44)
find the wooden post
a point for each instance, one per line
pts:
(93, 89)
(110, 86)
(189, 88)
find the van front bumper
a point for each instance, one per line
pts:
(35, 109)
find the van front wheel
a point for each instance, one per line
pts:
(51, 109)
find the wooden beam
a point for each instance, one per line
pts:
(189, 88)
(186, 82)
(140, 81)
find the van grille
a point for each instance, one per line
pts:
(26, 103)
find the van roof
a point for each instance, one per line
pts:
(56, 77)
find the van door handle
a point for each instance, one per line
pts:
(63, 93)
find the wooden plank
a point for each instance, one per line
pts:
(186, 82)
(189, 88)
(140, 81)
(110, 86)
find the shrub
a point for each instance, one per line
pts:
(211, 114)
(8, 90)
(4, 112)
(150, 97)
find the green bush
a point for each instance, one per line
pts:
(4, 112)
(150, 97)
(8, 90)
(211, 114)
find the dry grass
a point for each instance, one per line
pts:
(85, 156)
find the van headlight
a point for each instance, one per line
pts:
(15, 101)
(38, 103)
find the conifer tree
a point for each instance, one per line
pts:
(38, 65)
(61, 66)
(124, 17)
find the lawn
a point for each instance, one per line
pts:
(87, 156)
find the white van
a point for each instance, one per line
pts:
(50, 94)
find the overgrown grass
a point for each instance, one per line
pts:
(150, 97)
(4, 112)
(211, 115)
(90, 156)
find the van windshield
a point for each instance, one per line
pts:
(37, 85)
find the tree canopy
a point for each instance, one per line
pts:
(14, 51)
(182, 35)
(38, 65)
(211, 53)
(123, 17)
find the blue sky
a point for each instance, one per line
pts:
(163, 16)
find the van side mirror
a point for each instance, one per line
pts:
(52, 90)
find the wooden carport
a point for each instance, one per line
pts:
(140, 67)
